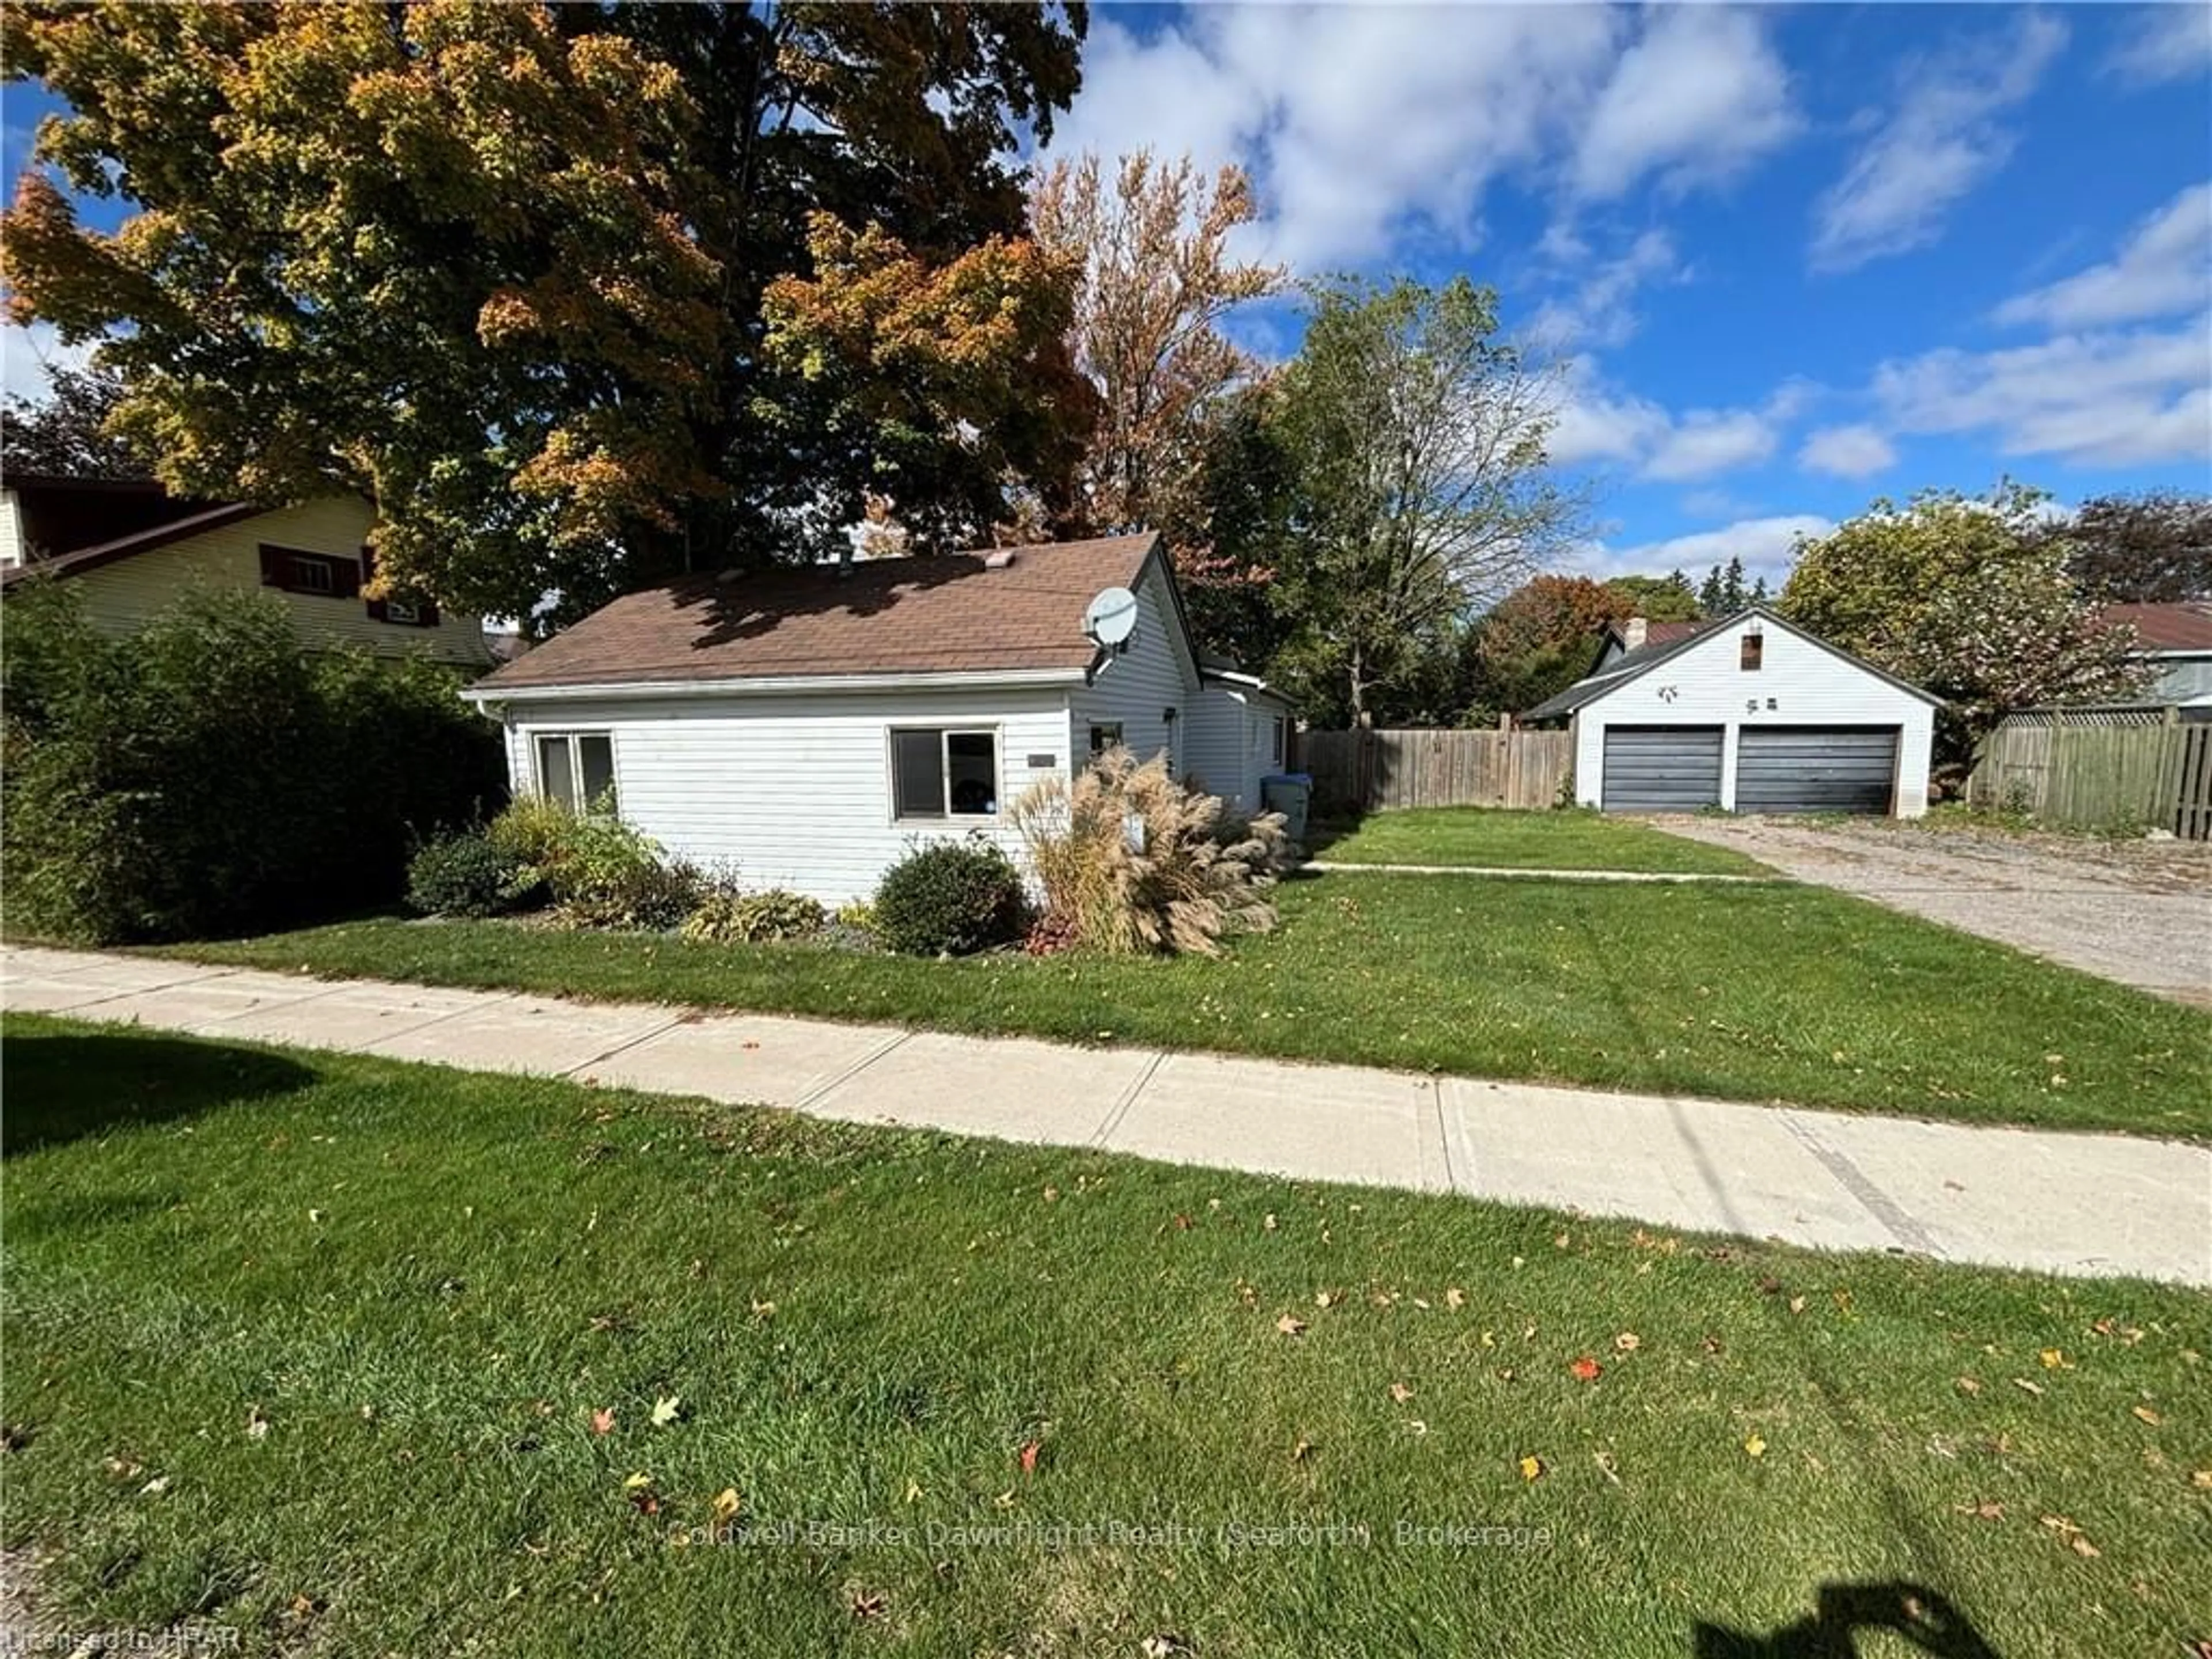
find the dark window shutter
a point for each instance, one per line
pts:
(376, 608)
(345, 578)
(427, 615)
(275, 567)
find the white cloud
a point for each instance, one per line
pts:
(1363, 124)
(1847, 451)
(1707, 442)
(1701, 96)
(1766, 547)
(2124, 398)
(26, 353)
(1597, 425)
(1601, 311)
(1942, 140)
(2166, 268)
(2167, 43)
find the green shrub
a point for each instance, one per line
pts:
(209, 775)
(733, 918)
(599, 871)
(949, 898)
(1191, 874)
(856, 916)
(464, 875)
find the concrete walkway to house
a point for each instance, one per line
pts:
(2065, 1203)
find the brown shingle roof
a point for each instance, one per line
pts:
(1666, 632)
(2186, 627)
(949, 613)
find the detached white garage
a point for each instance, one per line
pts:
(1752, 715)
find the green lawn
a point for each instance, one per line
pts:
(311, 1346)
(1761, 993)
(1477, 836)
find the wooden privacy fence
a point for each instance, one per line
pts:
(1371, 771)
(2100, 769)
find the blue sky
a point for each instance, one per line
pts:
(1794, 258)
(1791, 259)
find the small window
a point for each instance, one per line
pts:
(1104, 735)
(402, 611)
(577, 769)
(936, 774)
(295, 570)
(1750, 650)
(1279, 739)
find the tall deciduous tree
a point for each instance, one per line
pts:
(1418, 438)
(1154, 279)
(1658, 599)
(1541, 638)
(2152, 548)
(503, 267)
(939, 382)
(66, 432)
(1968, 598)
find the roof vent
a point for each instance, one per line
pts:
(1000, 560)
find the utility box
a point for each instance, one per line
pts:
(1289, 794)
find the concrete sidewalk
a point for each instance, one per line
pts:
(2063, 1203)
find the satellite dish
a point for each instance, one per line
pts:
(1111, 617)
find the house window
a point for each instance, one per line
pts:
(941, 774)
(402, 611)
(294, 570)
(1279, 739)
(1750, 650)
(1104, 735)
(577, 769)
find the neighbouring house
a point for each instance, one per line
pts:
(2177, 639)
(129, 548)
(806, 726)
(1748, 714)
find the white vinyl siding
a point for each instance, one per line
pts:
(792, 789)
(11, 530)
(1232, 741)
(1798, 683)
(1135, 688)
(123, 597)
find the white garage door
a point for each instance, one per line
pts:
(1815, 768)
(1661, 769)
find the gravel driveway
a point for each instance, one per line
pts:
(2137, 911)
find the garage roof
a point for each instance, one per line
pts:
(1638, 664)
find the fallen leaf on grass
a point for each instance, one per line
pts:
(2022, 1383)
(1290, 1325)
(1303, 1450)
(2145, 1414)
(1585, 1370)
(1400, 1393)
(1268, 1222)
(257, 1425)
(1797, 1304)
(867, 1604)
(1454, 1297)
(2054, 1359)
(1628, 1342)
(1969, 1385)
(1030, 1449)
(154, 1487)
(666, 1409)
(1531, 1468)
(1605, 1465)
(1755, 1445)
(2202, 1480)
(726, 1505)
(1712, 1344)
(602, 1420)
(1986, 1510)
(2082, 1547)
(1327, 1299)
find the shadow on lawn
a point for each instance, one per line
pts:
(68, 1085)
(1842, 1611)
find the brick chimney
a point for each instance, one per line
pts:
(1633, 632)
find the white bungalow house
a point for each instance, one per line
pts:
(806, 725)
(1748, 714)
(2176, 639)
(129, 548)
